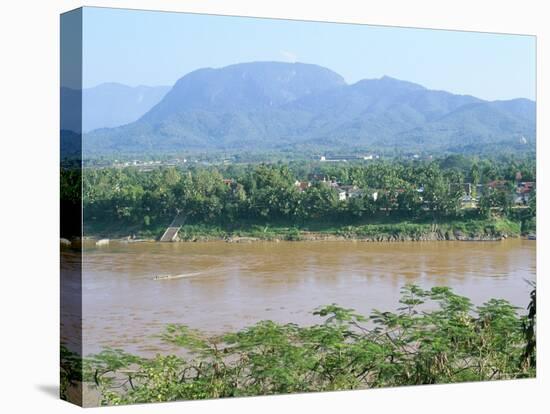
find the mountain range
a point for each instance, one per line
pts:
(109, 105)
(276, 105)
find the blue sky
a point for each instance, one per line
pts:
(157, 48)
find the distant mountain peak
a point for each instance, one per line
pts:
(107, 105)
(386, 82)
(244, 86)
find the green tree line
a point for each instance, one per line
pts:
(267, 192)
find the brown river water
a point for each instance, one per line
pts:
(228, 286)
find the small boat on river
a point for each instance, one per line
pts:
(172, 277)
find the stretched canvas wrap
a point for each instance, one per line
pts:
(254, 206)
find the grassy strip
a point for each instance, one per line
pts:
(396, 230)
(491, 228)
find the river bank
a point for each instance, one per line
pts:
(468, 230)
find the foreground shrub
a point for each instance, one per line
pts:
(435, 336)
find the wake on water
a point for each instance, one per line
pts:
(171, 277)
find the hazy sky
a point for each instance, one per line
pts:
(157, 48)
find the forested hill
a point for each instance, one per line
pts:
(275, 105)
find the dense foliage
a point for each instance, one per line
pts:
(435, 336)
(268, 193)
